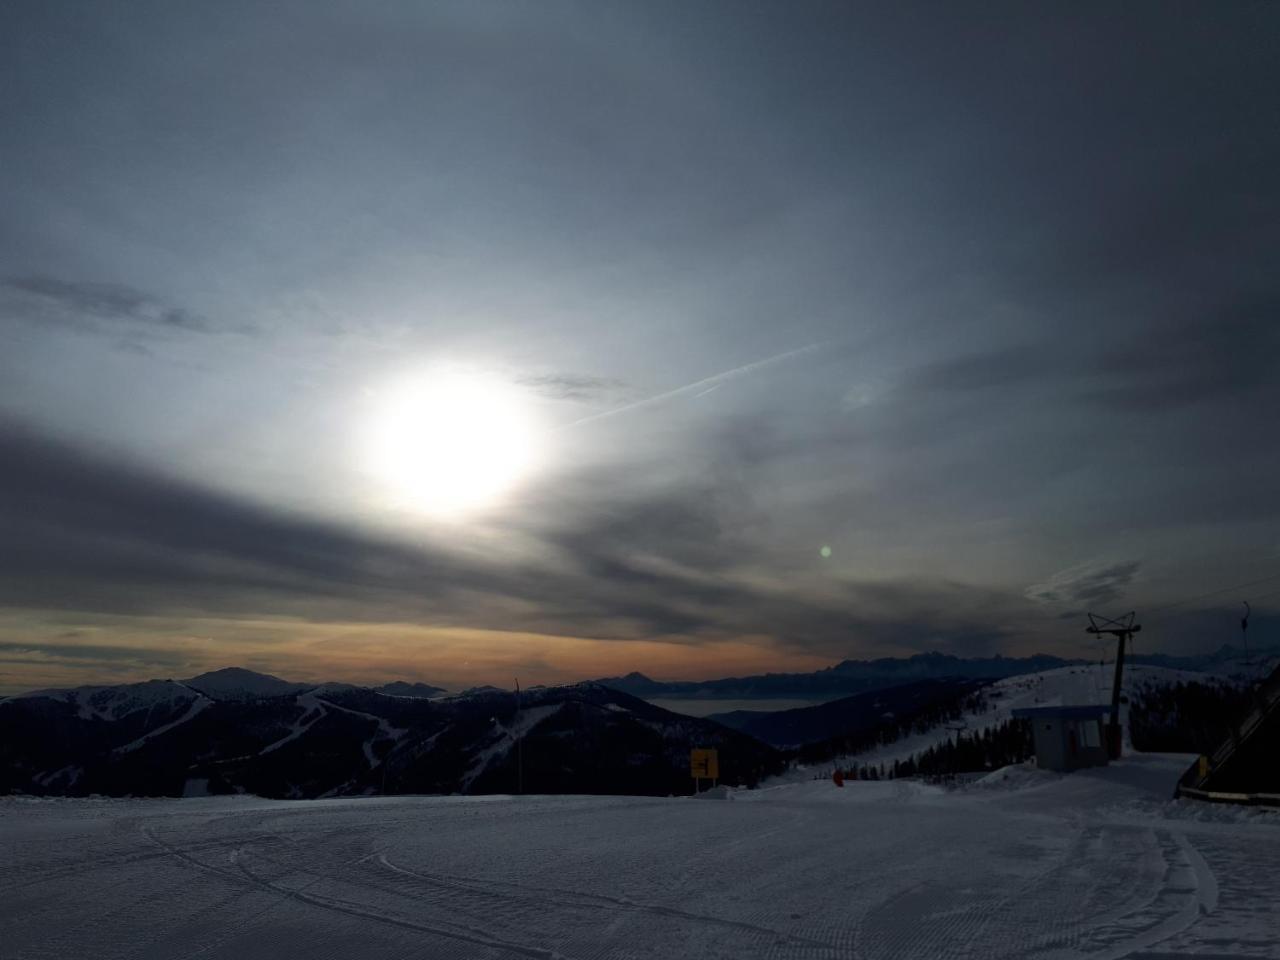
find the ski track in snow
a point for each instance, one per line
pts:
(385, 730)
(316, 708)
(505, 738)
(313, 713)
(200, 704)
(1099, 865)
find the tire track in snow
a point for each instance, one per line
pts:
(561, 897)
(118, 932)
(1098, 896)
(242, 875)
(1188, 885)
(228, 932)
(333, 904)
(80, 867)
(940, 921)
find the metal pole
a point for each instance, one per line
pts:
(1114, 732)
(1122, 629)
(1244, 633)
(519, 745)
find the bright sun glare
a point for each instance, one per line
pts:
(450, 442)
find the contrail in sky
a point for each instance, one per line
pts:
(705, 385)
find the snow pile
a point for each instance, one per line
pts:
(721, 792)
(1017, 776)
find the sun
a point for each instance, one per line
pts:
(450, 442)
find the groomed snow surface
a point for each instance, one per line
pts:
(1098, 864)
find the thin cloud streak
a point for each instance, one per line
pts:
(705, 385)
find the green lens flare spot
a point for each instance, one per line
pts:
(825, 551)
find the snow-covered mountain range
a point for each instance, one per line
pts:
(235, 731)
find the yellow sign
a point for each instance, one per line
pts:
(704, 764)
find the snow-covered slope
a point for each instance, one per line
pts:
(198, 706)
(1098, 865)
(1064, 685)
(384, 729)
(114, 703)
(504, 738)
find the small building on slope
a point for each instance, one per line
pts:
(1067, 737)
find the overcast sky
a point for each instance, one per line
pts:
(832, 330)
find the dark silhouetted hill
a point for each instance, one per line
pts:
(400, 688)
(848, 716)
(245, 733)
(856, 676)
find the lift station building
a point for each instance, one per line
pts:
(1068, 737)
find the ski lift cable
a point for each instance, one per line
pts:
(1153, 613)
(1212, 593)
(1267, 596)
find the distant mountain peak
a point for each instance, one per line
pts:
(234, 673)
(237, 683)
(634, 683)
